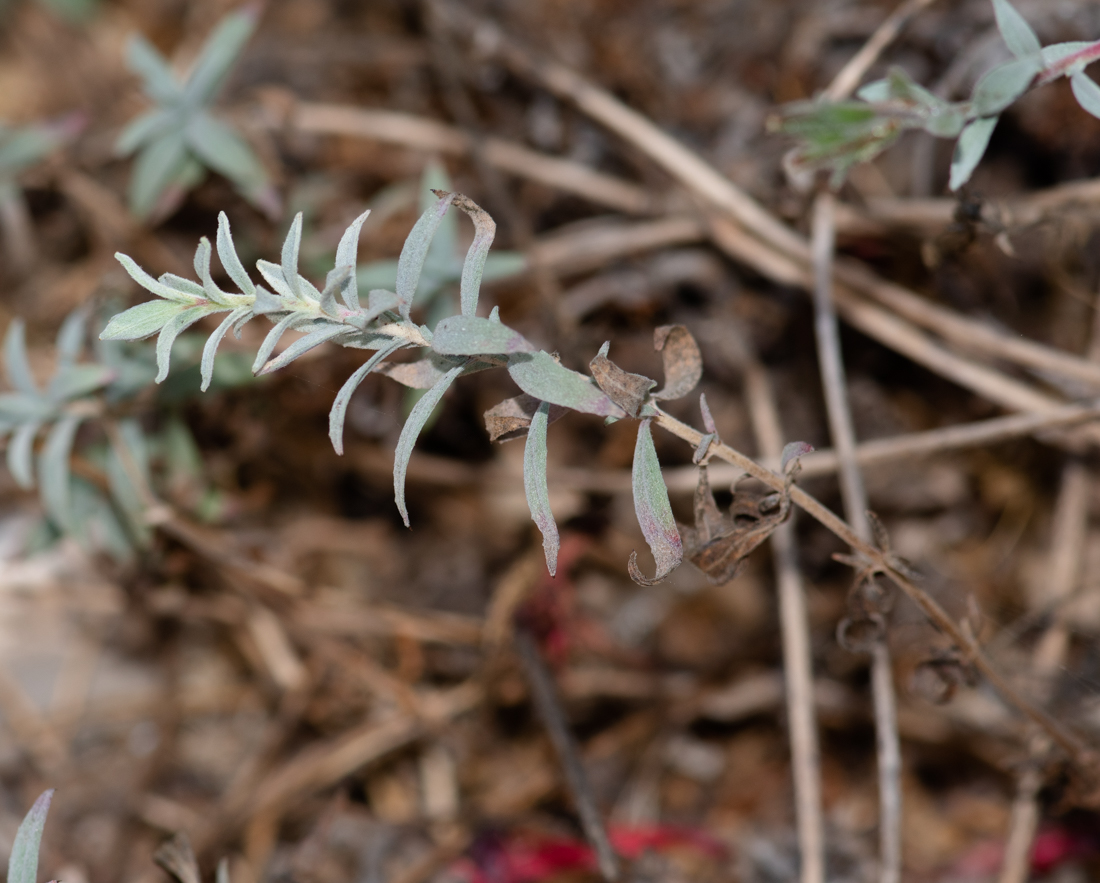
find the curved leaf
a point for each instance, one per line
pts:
(654, 511)
(343, 397)
(210, 349)
(535, 485)
(272, 339)
(53, 470)
(1017, 33)
(970, 149)
(347, 255)
(20, 454)
(154, 286)
(411, 261)
(228, 154)
(143, 129)
(303, 345)
(1004, 84)
(682, 359)
(23, 863)
(158, 166)
(473, 336)
(17, 368)
(1086, 92)
(231, 262)
(629, 391)
(419, 415)
(74, 381)
(473, 268)
(202, 270)
(291, 246)
(172, 329)
(158, 81)
(540, 375)
(218, 55)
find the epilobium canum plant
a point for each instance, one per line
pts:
(835, 135)
(458, 344)
(23, 863)
(179, 139)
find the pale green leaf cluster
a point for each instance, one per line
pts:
(179, 139)
(835, 135)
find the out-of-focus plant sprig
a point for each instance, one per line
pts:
(179, 139)
(835, 135)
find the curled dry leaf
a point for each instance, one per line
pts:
(512, 418)
(682, 358)
(629, 391)
(719, 544)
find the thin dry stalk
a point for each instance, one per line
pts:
(546, 700)
(854, 495)
(1083, 757)
(797, 654)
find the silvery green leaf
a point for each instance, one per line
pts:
(185, 286)
(303, 345)
(494, 314)
(1017, 33)
(23, 863)
(268, 346)
(502, 264)
(1060, 51)
(411, 262)
(904, 87)
(539, 375)
(214, 341)
(157, 78)
(473, 268)
(20, 454)
(445, 243)
(157, 166)
(143, 129)
(654, 511)
(202, 270)
(53, 470)
(343, 397)
(273, 275)
(1004, 84)
(222, 873)
(149, 283)
(17, 407)
(16, 366)
(378, 302)
(347, 255)
(129, 451)
(172, 329)
(291, 246)
(969, 150)
(141, 321)
(265, 302)
(1086, 92)
(228, 154)
(793, 452)
(946, 122)
(74, 381)
(227, 254)
(875, 92)
(535, 486)
(218, 55)
(70, 337)
(334, 281)
(473, 336)
(419, 415)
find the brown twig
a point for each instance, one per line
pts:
(546, 700)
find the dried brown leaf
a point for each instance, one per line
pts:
(511, 418)
(629, 391)
(682, 358)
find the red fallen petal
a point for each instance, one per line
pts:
(1053, 846)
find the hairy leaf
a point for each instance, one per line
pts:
(540, 375)
(16, 366)
(53, 470)
(172, 329)
(291, 246)
(970, 149)
(23, 863)
(473, 336)
(150, 284)
(273, 275)
(419, 415)
(682, 358)
(654, 511)
(411, 262)
(1086, 92)
(343, 397)
(227, 254)
(210, 350)
(141, 321)
(74, 381)
(1060, 51)
(218, 55)
(272, 339)
(302, 345)
(473, 268)
(535, 486)
(202, 269)
(347, 255)
(629, 391)
(1017, 33)
(20, 454)
(1004, 84)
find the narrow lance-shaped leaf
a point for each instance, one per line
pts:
(268, 346)
(159, 164)
(419, 415)
(343, 397)
(303, 345)
(411, 261)
(347, 255)
(1017, 33)
(998, 88)
(157, 79)
(227, 254)
(291, 245)
(53, 470)
(222, 149)
(474, 336)
(210, 350)
(1086, 92)
(141, 321)
(218, 55)
(16, 365)
(473, 268)
(70, 337)
(20, 454)
(149, 283)
(539, 375)
(535, 485)
(654, 511)
(202, 270)
(172, 329)
(970, 149)
(23, 863)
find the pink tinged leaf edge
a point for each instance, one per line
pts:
(654, 512)
(535, 485)
(792, 452)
